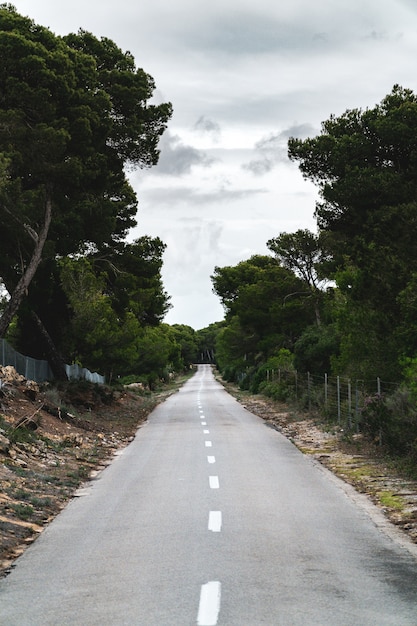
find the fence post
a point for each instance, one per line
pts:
(357, 406)
(296, 384)
(378, 385)
(309, 390)
(325, 391)
(350, 405)
(338, 400)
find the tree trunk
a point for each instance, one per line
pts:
(21, 288)
(54, 359)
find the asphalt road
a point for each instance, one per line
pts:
(209, 517)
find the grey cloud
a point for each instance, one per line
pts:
(207, 125)
(248, 33)
(177, 158)
(171, 197)
(272, 149)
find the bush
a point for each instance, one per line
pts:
(392, 420)
(278, 391)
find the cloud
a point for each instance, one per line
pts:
(206, 125)
(174, 196)
(272, 149)
(177, 159)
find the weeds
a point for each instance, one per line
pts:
(390, 500)
(23, 511)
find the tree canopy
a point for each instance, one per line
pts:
(74, 113)
(365, 166)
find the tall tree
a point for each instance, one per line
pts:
(302, 253)
(74, 113)
(365, 166)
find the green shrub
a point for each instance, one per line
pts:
(23, 511)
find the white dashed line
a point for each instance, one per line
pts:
(214, 482)
(215, 521)
(209, 608)
(204, 423)
(211, 459)
(206, 432)
(207, 444)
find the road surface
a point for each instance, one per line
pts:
(210, 517)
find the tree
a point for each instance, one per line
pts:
(74, 113)
(96, 336)
(302, 253)
(133, 278)
(185, 337)
(263, 313)
(365, 165)
(206, 338)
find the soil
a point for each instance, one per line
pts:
(52, 440)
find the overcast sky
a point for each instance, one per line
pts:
(242, 76)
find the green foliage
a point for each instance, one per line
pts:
(365, 166)
(206, 342)
(410, 376)
(392, 421)
(74, 115)
(315, 348)
(186, 338)
(266, 309)
(23, 511)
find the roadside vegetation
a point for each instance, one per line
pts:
(333, 313)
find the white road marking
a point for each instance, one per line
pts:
(214, 482)
(209, 608)
(204, 423)
(207, 444)
(206, 432)
(215, 521)
(211, 459)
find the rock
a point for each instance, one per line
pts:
(4, 443)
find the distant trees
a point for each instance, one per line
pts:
(266, 310)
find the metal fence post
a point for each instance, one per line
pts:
(350, 405)
(338, 401)
(357, 406)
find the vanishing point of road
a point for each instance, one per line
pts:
(209, 517)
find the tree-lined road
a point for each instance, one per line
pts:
(209, 517)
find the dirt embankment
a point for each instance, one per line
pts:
(51, 441)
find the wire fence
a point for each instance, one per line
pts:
(40, 370)
(338, 398)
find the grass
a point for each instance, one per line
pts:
(23, 511)
(391, 500)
